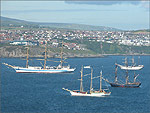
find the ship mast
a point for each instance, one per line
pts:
(134, 71)
(91, 80)
(127, 76)
(138, 60)
(116, 73)
(45, 57)
(61, 54)
(132, 61)
(134, 77)
(27, 57)
(81, 85)
(100, 81)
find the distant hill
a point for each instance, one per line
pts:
(5, 19)
(142, 30)
(79, 26)
(16, 22)
(7, 22)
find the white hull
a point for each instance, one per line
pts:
(31, 69)
(98, 94)
(131, 67)
(28, 70)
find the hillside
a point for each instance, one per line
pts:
(9, 22)
(92, 51)
(79, 26)
(5, 22)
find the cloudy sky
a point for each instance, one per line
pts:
(127, 15)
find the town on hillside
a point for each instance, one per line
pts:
(73, 39)
(36, 37)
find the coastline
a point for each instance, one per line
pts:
(91, 56)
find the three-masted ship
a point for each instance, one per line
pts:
(95, 93)
(127, 68)
(43, 69)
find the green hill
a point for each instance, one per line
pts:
(9, 22)
(79, 26)
(5, 22)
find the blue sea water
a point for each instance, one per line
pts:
(22, 92)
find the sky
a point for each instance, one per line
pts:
(125, 15)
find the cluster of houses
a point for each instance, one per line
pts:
(37, 37)
(25, 43)
(70, 46)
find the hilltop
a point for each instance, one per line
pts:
(5, 22)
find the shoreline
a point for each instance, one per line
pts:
(94, 56)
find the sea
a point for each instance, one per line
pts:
(30, 92)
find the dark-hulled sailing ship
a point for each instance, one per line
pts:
(127, 68)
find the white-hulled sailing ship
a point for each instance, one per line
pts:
(94, 93)
(127, 68)
(133, 67)
(43, 69)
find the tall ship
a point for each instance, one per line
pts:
(127, 68)
(43, 69)
(94, 93)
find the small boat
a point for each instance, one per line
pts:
(93, 93)
(127, 84)
(45, 69)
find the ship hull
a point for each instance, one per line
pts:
(101, 94)
(131, 67)
(34, 70)
(37, 69)
(132, 85)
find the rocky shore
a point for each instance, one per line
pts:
(15, 52)
(38, 52)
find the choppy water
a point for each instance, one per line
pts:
(43, 92)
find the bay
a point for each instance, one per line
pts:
(22, 92)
